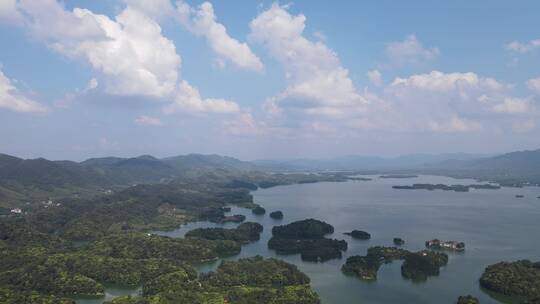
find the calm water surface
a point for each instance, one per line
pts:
(494, 224)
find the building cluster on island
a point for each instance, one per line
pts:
(16, 210)
(450, 245)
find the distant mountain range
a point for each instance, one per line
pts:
(41, 178)
(364, 163)
(515, 168)
(510, 168)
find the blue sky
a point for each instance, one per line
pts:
(262, 79)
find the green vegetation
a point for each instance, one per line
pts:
(277, 215)
(416, 266)
(10, 296)
(85, 228)
(250, 280)
(366, 267)
(467, 300)
(419, 266)
(399, 241)
(398, 176)
(520, 279)
(37, 180)
(243, 234)
(305, 229)
(312, 250)
(35, 265)
(258, 210)
(307, 238)
(144, 246)
(359, 235)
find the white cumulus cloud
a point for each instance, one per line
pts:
(317, 82)
(445, 82)
(454, 124)
(189, 99)
(11, 99)
(375, 77)
(144, 120)
(454, 102)
(203, 22)
(410, 51)
(9, 13)
(512, 106)
(129, 53)
(534, 85)
(523, 47)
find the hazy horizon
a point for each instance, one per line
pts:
(267, 80)
(386, 157)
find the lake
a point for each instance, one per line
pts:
(494, 224)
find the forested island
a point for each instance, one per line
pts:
(519, 279)
(258, 210)
(359, 235)
(307, 237)
(456, 188)
(398, 176)
(417, 266)
(277, 215)
(398, 241)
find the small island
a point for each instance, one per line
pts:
(366, 267)
(307, 238)
(448, 245)
(417, 266)
(360, 179)
(258, 210)
(520, 196)
(276, 215)
(398, 176)
(399, 241)
(468, 299)
(359, 235)
(305, 229)
(517, 279)
(243, 234)
(456, 188)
